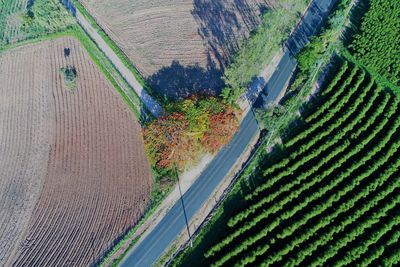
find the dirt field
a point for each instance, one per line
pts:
(73, 174)
(178, 45)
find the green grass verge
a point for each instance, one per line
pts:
(122, 56)
(102, 63)
(109, 71)
(105, 66)
(155, 203)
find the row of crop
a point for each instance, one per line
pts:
(319, 208)
(8, 9)
(283, 163)
(340, 109)
(278, 206)
(328, 104)
(376, 252)
(275, 207)
(298, 179)
(363, 246)
(21, 20)
(286, 215)
(335, 228)
(393, 259)
(298, 240)
(358, 212)
(322, 123)
(338, 77)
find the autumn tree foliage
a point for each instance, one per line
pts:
(191, 127)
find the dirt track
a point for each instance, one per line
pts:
(189, 40)
(74, 163)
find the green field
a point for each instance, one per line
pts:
(332, 197)
(378, 43)
(329, 195)
(11, 12)
(23, 19)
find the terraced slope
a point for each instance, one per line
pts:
(74, 175)
(333, 198)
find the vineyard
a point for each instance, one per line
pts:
(377, 44)
(75, 176)
(332, 198)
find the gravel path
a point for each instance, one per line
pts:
(147, 100)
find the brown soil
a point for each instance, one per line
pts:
(74, 159)
(178, 44)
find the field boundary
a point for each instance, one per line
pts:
(381, 79)
(115, 56)
(100, 61)
(121, 54)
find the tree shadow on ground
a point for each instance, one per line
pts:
(177, 81)
(224, 23)
(222, 26)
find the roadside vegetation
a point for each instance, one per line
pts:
(193, 127)
(262, 45)
(332, 190)
(312, 62)
(327, 194)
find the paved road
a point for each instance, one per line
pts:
(167, 230)
(147, 100)
(147, 252)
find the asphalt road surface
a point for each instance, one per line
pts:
(168, 229)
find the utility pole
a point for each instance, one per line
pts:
(183, 205)
(252, 108)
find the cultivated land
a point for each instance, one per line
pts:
(328, 193)
(166, 39)
(75, 176)
(332, 197)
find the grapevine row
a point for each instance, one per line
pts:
(334, 229)
(244, 214)
(285, 161)
(322, 191)
(326, 118)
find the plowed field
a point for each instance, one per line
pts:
(168, 38)
(73, 173)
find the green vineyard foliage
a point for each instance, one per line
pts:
(335, 190)
(377, 44)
